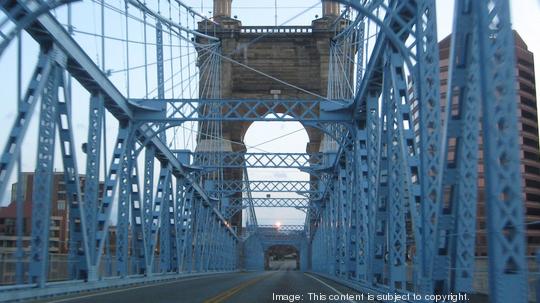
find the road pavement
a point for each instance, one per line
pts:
(284, 285)
(243, 287)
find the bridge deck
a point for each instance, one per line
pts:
(234, 287)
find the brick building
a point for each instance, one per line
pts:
(59, 216)
(59, 227)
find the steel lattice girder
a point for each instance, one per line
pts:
(461, 171)
(272, 202)
(304, 187)
(213, 160)
(504, 205)
(69, 55)
(47, 30)
(43, 179)
(37, 85)
(504, 202)
(177, 111)
(280, 228)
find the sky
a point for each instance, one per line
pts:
(525, 18)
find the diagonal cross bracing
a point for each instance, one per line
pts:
(209, 160)
(176, 111)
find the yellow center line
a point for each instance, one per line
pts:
(232, 291)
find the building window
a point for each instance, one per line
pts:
(530, 129)
(527, 88)
(14, 192)
(529, 115)
(530, 142)
(528, 102)
(525, 75)
(524, 62)
(61, 205)
(532, 183)
(532, 170)
(533, 197)
(530, 156)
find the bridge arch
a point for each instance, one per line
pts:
(259, 136)
(282, 257)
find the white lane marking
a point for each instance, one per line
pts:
(329, 286)
(125, 289)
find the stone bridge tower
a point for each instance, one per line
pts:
(297, 55)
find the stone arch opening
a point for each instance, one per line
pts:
(282, 257)
(290, 137)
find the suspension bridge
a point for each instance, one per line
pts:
(130, 180)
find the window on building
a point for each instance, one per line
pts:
(530, 129)
(530, 142)
(530, 156)
(524, 62)
(532, 183)
(14, 192)
(533, 197)
(532, 170)
(61, 205)
(528, 102)
(526, 75)
(527, 88)
(529, 115)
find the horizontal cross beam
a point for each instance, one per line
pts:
(264, 186)
(280, 228)
(214, 160)
(182, 110)
(273, 202)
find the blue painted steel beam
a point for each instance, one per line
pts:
(44, 177)
(137, 218)
(46, 31)
(274, 202)
(305, 187)
(123, 210)
(93, 152)
(22, 120)
(177, 111)
(77, 245)
(427, 87)
(504, 196)
(211, 160)
(280, 228)
(462, 117)
(396, 176)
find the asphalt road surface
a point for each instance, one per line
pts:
(245, 287)
(269, 286)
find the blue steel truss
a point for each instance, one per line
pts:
(302, 187)
(391, 203)
(213, 160)
(281, 202)
(241, 110)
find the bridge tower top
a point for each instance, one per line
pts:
(222, 8)
(330, 8)
(296, 55)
